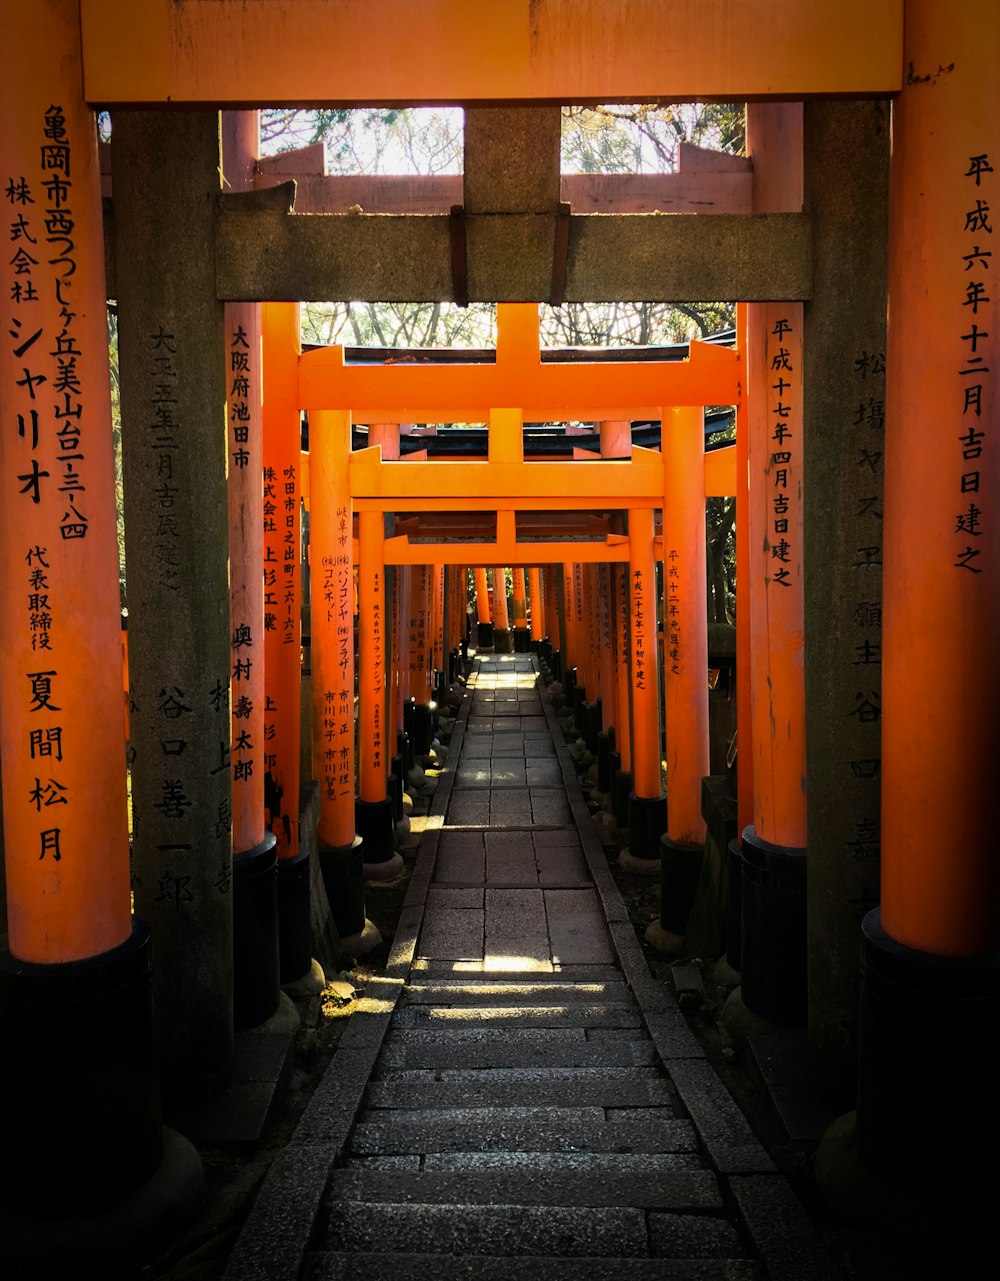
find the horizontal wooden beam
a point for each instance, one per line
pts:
(244, 53)
(400, 551)
(271, 255)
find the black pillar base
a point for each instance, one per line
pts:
(569, 687)
(396, 789)
(484, 636)
(439, 692)
(374, 823)
(535, 644)
(734, 906)
(79, 1095)
(928, 1115)
(593, 720)
(621, 797)
(773, 927)
(256, 980)
(422, 728)
(680, 868)
(502, 643)
(604, 741)
(452, 666)
(343, 869)
(647, 823)
(294, 924)
(580, 707)
(522, 640)
(555, 665)
(545, 650)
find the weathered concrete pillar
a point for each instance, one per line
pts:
(846, 191)
(928, 1109)
(340, 849)
(173, 396)
(79, 1106)
(647, 802)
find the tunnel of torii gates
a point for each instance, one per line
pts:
(867, 616)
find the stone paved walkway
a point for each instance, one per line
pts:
(518, 1098)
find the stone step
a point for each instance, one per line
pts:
(548, 991)
(542, 1163)
(446, 974)
(540, 1051)
(519, 1016)
(676, 1190)
(332, 1266)
(408, 1036)
(385, 1138)
(603, 1091)
(486, 1115)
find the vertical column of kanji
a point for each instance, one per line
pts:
(616, 442)
(685, 667)
(439, 625)
(621, 781)
(418, 620)
(522, 636)
(386, 437)
(550, 642)
(846, 183)
(931, 962)
(255, 959)
(568, 639)
(78, 1105)
(173, 396)
(484, 623)
(536, 607)
(501, 620)
(341, 852)
(581, 633)
(374, 809)
(647, 803)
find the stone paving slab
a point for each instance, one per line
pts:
(328, 1266)
(546, 992)
(689, 1235)
(515, 913)
(486, 1115)
(408, 1036)
(671, 1190)
(602, 1093)
(452, 933)
(541, 1163)
(791, 1246)
(536, 1052)
(487, 1229)
(383, 1137)
(732, 1145)
(441, 975)
(576, 926)
(513, 1016)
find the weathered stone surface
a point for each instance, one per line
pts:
(677, 1189)
(687, 1235)
(555, 1088)
(496, 992)
(452, 1267)
(513, 1016)
(781, 1230)
(508, 1229)
(383, 1137)
(545, 1048)
(541, 1163)
(724, 1129)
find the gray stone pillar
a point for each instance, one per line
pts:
(846, 148)
(167, 168)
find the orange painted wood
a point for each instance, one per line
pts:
(744, 718)
(310, 52)
(482, 595)
(419, 623)
(62, 749)
(374, 751)
(332, 620)
(940, 695)
(685, 622)
(536, 603)
(642, 656)
(501, 614)
(282, 575)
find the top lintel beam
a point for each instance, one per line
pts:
(243, 53)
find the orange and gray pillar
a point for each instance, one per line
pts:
(647, 802)
(502, 642)
(536, 609)
(928, 1108)
(340, 849)
(484, 623)
(79, 1106)
(522, 635)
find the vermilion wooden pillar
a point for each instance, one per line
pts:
(621, 781)
(928, 1108)
(374, 817)
(418, 620)
(484, 627)
(536, 608)
(647, 803)
(340, 849)
(522, 636)
(685, 648)
(501, 617)
(79, 1106)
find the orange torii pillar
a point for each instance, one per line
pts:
(484, 626)
(501, 617)
(439, 649)
(773, 880)
(592, 711)
(928, 1107)
(522, 636)
(374, 811)
(551, 594)
(647, 802)
(685, 668)
(256, 965)
(419, 716)
(569, 646)
(606, 727)
(386, 436)
(79, 1105)
(340, 848)
(621, 759)
(536, 609)
(581, 636)
(454, 619)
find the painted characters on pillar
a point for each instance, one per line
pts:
(337, 591)
(784, 411)
(975, 373)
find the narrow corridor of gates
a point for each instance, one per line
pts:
(520, 1098)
